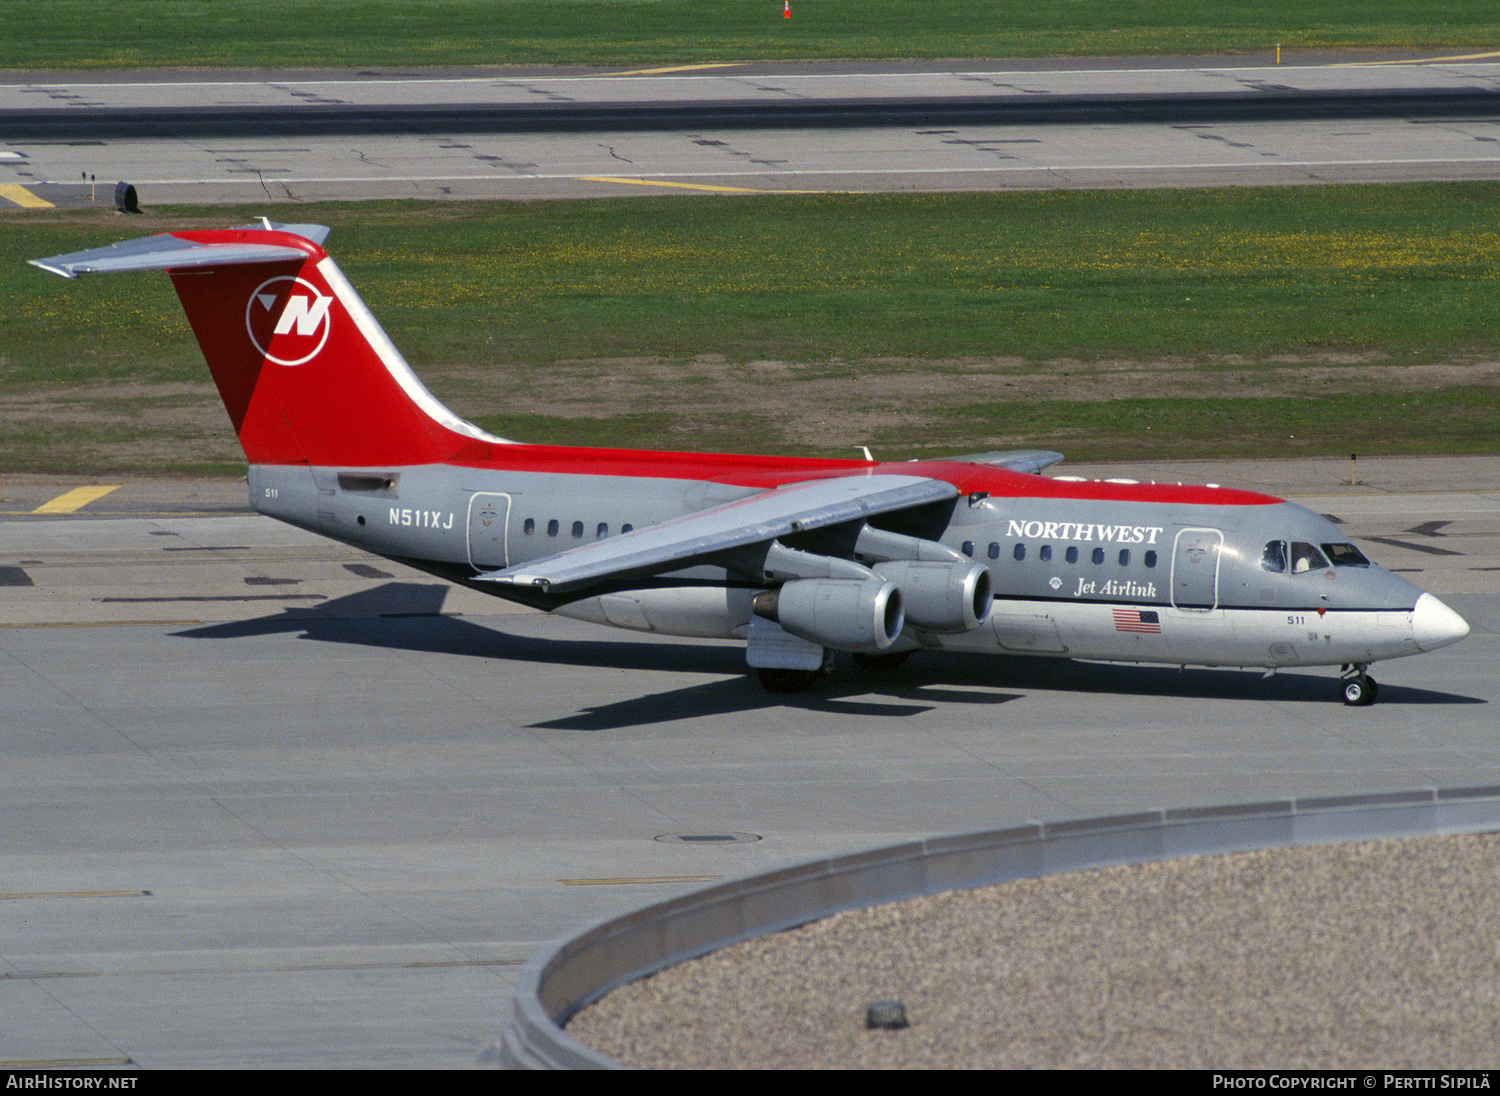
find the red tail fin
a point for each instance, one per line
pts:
(306, 373)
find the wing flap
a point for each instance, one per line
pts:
(814, 504)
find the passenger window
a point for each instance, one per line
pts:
(1019, 552)
(627, 527)
(552, 528)
(994, 550)
(1346, 555)
(1306, 558)
(1150, 559)
(578, 530)
(601, 532)
(530, 527)
(969, 548)
(1273, 558)
(1044, 553)
(1098, 555)
(1072, 555)
(1124, 557)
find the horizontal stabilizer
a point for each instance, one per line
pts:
(758, 519)
(1017, 460)
(168, 252)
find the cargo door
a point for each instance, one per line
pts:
(489, 514)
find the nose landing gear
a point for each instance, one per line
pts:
(1359, 687)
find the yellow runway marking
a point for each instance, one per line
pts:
(14, 192)
(689, 186)
(644, 879)
(75, 500)
(678, 68)
(1422, 60)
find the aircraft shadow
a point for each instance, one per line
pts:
(407, 616)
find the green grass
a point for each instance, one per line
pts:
(403, 33)
(635, 322)
(1460, 419)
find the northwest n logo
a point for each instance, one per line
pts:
(289, 315)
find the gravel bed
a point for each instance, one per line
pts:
(1377, 954)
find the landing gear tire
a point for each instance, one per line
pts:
(881, 662)
(1360, 691)
(787, 681)
(794, 681)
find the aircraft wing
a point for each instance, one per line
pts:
(815, 504)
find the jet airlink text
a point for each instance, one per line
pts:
(1069, 530)
(1111, 588)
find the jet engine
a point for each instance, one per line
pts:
(941, 597)
(841, 614)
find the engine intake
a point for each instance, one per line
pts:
(841, 614)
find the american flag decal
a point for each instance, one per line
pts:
(1136, 620)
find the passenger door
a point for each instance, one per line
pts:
(1195, 569)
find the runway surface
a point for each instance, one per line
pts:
(729, 128)
(272, 802)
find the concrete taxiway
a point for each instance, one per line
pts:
(940, 126)
(270, 801)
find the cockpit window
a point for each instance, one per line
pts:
(1346, 555)
(1273, 559)
(1306, 557)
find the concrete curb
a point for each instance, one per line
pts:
(578, 969)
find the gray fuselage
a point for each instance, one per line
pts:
(1261, 585)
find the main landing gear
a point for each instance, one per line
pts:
(1359, 687)
(776, 680)
(886, 660)
(787, 681)
(795, 681)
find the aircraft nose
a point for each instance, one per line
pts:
(1434, 625)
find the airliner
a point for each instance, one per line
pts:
(797, 558)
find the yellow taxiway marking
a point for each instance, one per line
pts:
(678, 68)
(642, 879)
(658, 182)
(14, 192)
(76, 499)
(1422, 60)
(689, 186)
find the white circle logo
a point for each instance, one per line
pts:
(290, 314)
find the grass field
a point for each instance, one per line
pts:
(1318, 320)
(405, 33)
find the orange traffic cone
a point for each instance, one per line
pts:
(786, 11)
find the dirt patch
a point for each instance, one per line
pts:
(828, 406)
(837, 404)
